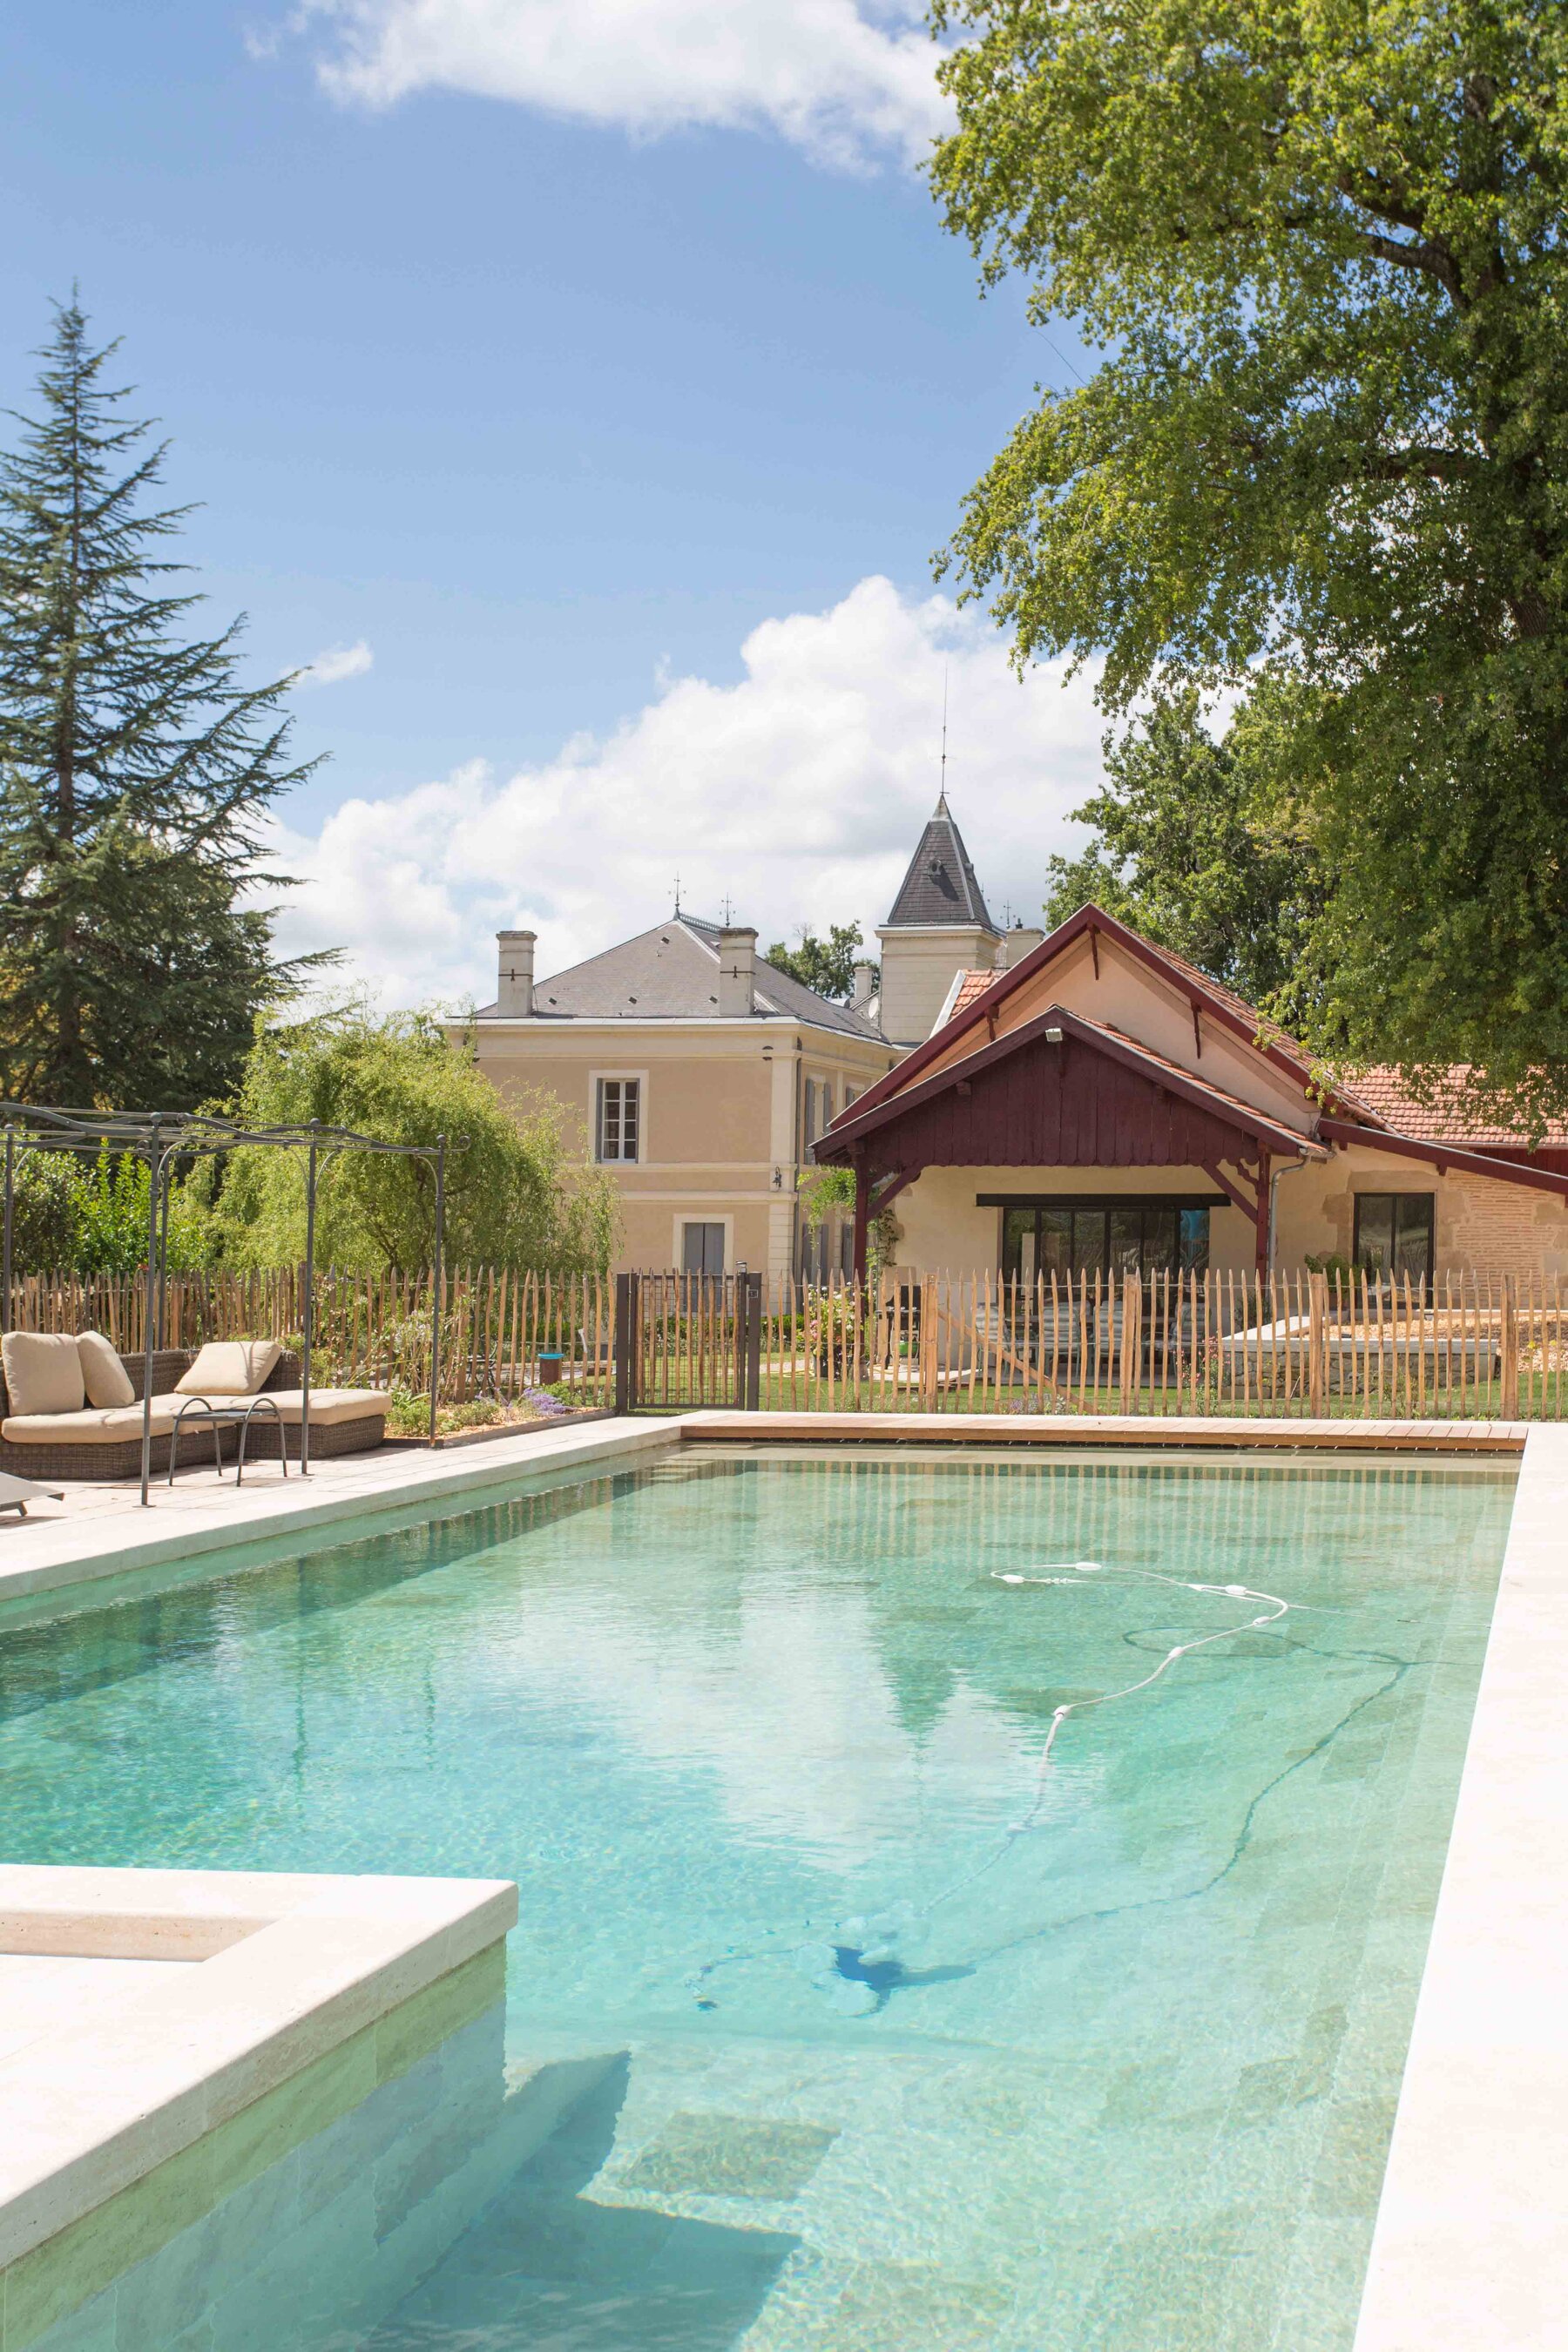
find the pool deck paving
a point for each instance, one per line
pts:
(1107, 1429)
(102, 1529)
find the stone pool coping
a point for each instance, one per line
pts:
(283, 1969)
(1106, 1429)
(1471, 2243)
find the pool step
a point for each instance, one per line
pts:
(546, 2259)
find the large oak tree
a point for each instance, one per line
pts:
(1320, 245)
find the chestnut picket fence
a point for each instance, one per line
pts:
(1475, 1347)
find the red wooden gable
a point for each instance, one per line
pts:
(1078, 1097)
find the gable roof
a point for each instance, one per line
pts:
(1382, 1096)
(671, 973)
(973, 1007)
(878, 1108)
(940, 888)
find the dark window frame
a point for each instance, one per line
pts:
(1106, 1206)
(1397, 1228)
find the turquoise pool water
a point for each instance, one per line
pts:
(912, 2037)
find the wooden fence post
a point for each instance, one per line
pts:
(1132, 1300)
(626, 1341)
(1509, 1348)
(928, 1345)
(1317, 1342)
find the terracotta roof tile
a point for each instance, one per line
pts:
(971, 985)
(1446, 1119)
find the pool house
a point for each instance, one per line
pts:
(1104, 1107)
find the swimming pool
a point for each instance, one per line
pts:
(912, 2034)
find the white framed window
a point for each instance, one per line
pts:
(617, 1120)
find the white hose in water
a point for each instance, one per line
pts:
(1068, 1572)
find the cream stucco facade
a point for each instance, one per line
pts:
(723, 1115)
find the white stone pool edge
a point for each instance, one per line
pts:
(280, 1999)
(40, 1556)
(1471, 2244)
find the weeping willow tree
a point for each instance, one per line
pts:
(516, 1191)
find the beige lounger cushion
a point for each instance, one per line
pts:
(43, 1371)
(326, 1405)
(230, 1368)
(106, 1378)
(96, 1425)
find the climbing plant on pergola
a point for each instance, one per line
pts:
(160, 1140)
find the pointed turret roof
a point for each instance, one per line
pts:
(940, 886)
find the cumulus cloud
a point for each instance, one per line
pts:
(795, 794)
(844, 81)
(338, 662)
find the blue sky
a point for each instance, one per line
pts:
(533, 356)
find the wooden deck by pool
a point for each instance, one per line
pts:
(1102, 1429)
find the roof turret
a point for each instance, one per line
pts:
(940, 888)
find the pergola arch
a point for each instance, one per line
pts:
(160, 1140)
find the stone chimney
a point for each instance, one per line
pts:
(1017, 943)
(865, 986)
(737, 974)
(514, 994)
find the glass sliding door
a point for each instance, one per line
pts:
(1112, 1237)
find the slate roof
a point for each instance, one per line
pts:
(671, 973)
(940, 886)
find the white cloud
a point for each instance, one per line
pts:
(338, 662)
(840, 79)
(798, 794)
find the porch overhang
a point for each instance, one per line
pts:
(1062, 1091)
(1035, 1042)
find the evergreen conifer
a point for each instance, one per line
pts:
(135, 774)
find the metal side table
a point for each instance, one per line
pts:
(219, 1417)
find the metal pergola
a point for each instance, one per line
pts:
(160, 1140)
